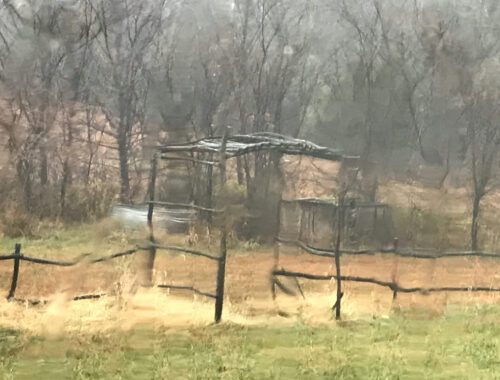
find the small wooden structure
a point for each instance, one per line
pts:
(214, 152)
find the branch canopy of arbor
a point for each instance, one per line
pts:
(240, 145)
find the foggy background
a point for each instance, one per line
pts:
(88, 88)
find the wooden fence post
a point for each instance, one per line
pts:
(340, 227)
(221, 270)
(276, 251)
(395, 269)
(15, 273)
(152, 248)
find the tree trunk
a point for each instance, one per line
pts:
(44, 170)
(124, 170)
(209, 192)
(24, 169)
(66, 174)
(239, 171)
(263, 196)
(66, 177)
(475, 221)
(178, 186)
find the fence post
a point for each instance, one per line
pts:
(276, 251)
(395, 270)
(340, 227)
(152, 248)
(221, 270)
(15, 273)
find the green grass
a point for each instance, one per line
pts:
(104, 237)
(56, 240)
(411, 344)
(463, 345)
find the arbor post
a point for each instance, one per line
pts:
(221, 270)
(276, 250)
(152, 249)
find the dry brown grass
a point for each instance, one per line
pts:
(248, 297)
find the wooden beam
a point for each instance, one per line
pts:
(191, 288)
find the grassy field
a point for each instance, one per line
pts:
(462, 345)
(59, 240)
(459, 341)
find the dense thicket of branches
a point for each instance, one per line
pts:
(88, 87)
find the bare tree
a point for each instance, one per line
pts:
(366, 25)
(484, 141)
(470, 54)
(33, 88)
(212, 91)
(124, 50)
(274, 76)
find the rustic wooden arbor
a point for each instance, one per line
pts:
(218, 150)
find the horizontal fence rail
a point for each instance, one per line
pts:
(183, 249)
(191, 288)
(43, 261)
(185, 205)
(17, 256)
(389, 284)
(115, 255)
(129, 252)
(78, 260)
(415, 255)
(392, 285)
(35, 302)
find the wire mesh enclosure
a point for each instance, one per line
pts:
(314, 222)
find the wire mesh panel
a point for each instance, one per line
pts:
(314, 222)
(359, 226)
(290, 216)
(321, 230)
(383, 228)
(368, 225)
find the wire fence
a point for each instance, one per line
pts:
(17, 257)
(392, 285)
